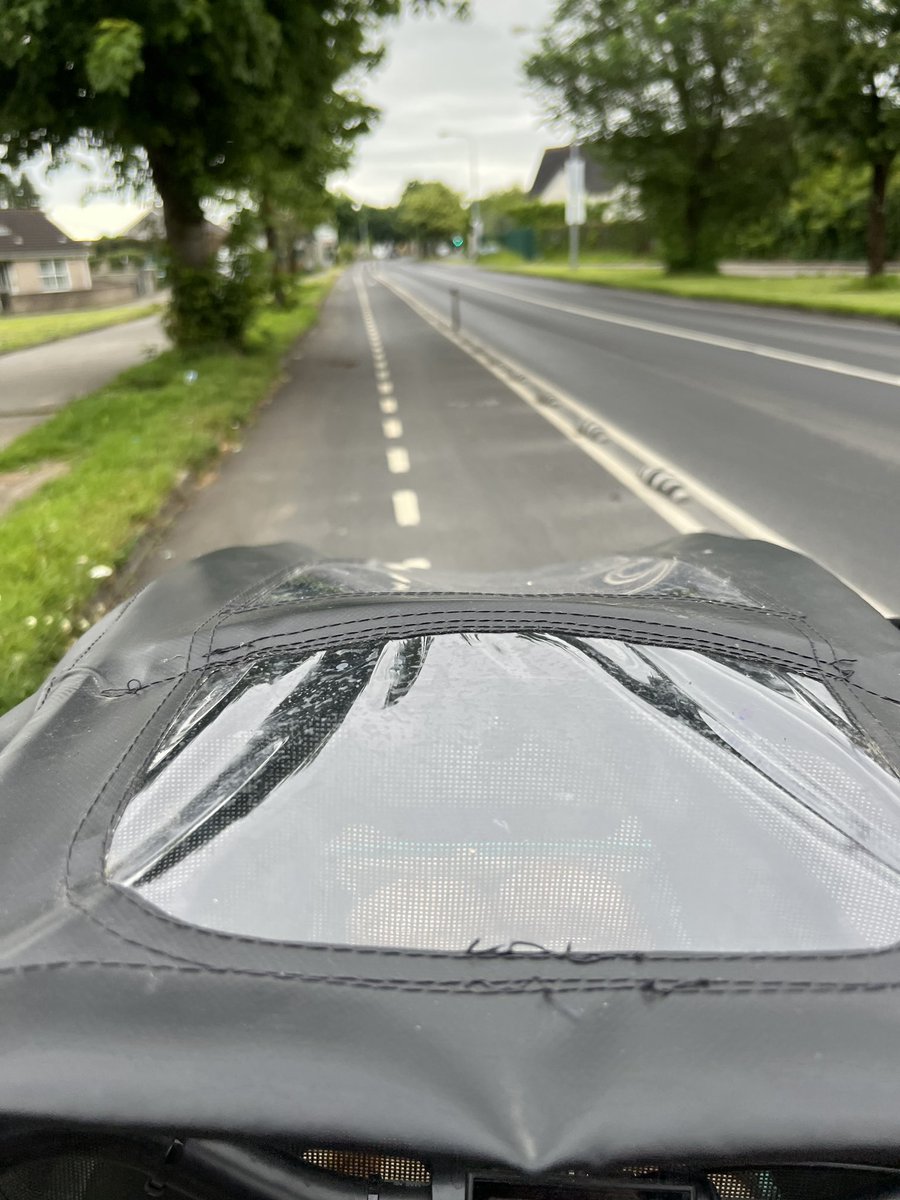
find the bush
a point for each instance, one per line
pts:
(216, 304)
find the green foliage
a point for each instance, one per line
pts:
(676, 99)
(212, 97)
(216, 304)
(126, 445)
(431, 212)
(17, 191)
(836, 66)
(114, 57)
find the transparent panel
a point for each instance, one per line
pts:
(518, 791)
(615, 575)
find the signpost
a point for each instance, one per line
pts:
(576, 207)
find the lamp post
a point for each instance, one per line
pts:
(474, 188)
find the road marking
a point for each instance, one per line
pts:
(392, 427)
(397, 460)
(406, 508)
(387, 404)
(536, 391)
(385, 387)
(705, 339)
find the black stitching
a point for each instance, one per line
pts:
(531, 984)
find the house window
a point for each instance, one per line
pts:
(55, 275)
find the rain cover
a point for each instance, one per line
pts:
(595, 864)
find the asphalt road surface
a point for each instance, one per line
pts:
(562, 422)
(35, 382)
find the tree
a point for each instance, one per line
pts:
(431, 212)
(17, 191)
(673, 95)
(189, 91)
(838, 68)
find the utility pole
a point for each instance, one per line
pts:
(475, 226)
(576, 209)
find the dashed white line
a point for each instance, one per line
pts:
(387, 404)
(517, 377)
(392, 427)
(397, 460)
(406, 508)
(385, 387)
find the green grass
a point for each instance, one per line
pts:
(17, 333)
(506, 260)
(127, 446)
(823, 293)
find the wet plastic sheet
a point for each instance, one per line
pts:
(518, 790)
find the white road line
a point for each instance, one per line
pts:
(397, 460)
(705, 339)
(392, 427)
(386, 388)
(406, 508)
(387, 404)
(515, 376)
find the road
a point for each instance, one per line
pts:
(770, 423)
(36, 382)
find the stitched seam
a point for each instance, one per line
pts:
(622, 597)
(529, 984)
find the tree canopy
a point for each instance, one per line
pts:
(837, 67)
(17, 191)
(195, 93)
(676, 97)
(431, 212)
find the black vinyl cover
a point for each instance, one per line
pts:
(115, 1013)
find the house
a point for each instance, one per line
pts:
(150, 229)
(551, 187)
(41, 269)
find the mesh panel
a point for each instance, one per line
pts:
(507, 789)
(72, 1177)
(366, 1166)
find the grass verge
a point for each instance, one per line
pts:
(127, 446)
(18, 333)
(832, 293)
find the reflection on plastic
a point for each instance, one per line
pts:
(513, 791)
(616, 575)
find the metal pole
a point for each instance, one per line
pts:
(454, 310)
(476, 198)
(574, 231)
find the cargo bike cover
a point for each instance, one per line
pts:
(584, 866)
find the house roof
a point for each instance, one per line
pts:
(596, 178)
(26, 233)
(151, 227)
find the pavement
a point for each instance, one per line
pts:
(563, 422)
(34, 383)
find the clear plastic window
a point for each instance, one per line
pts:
(518, 790)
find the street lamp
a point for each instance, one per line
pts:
(474, 187)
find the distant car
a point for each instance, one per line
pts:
(340, 881)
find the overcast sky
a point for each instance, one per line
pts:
(438, 74)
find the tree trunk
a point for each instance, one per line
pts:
(277, 280)
(186, 236)
(876, 241)
(196, 314)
